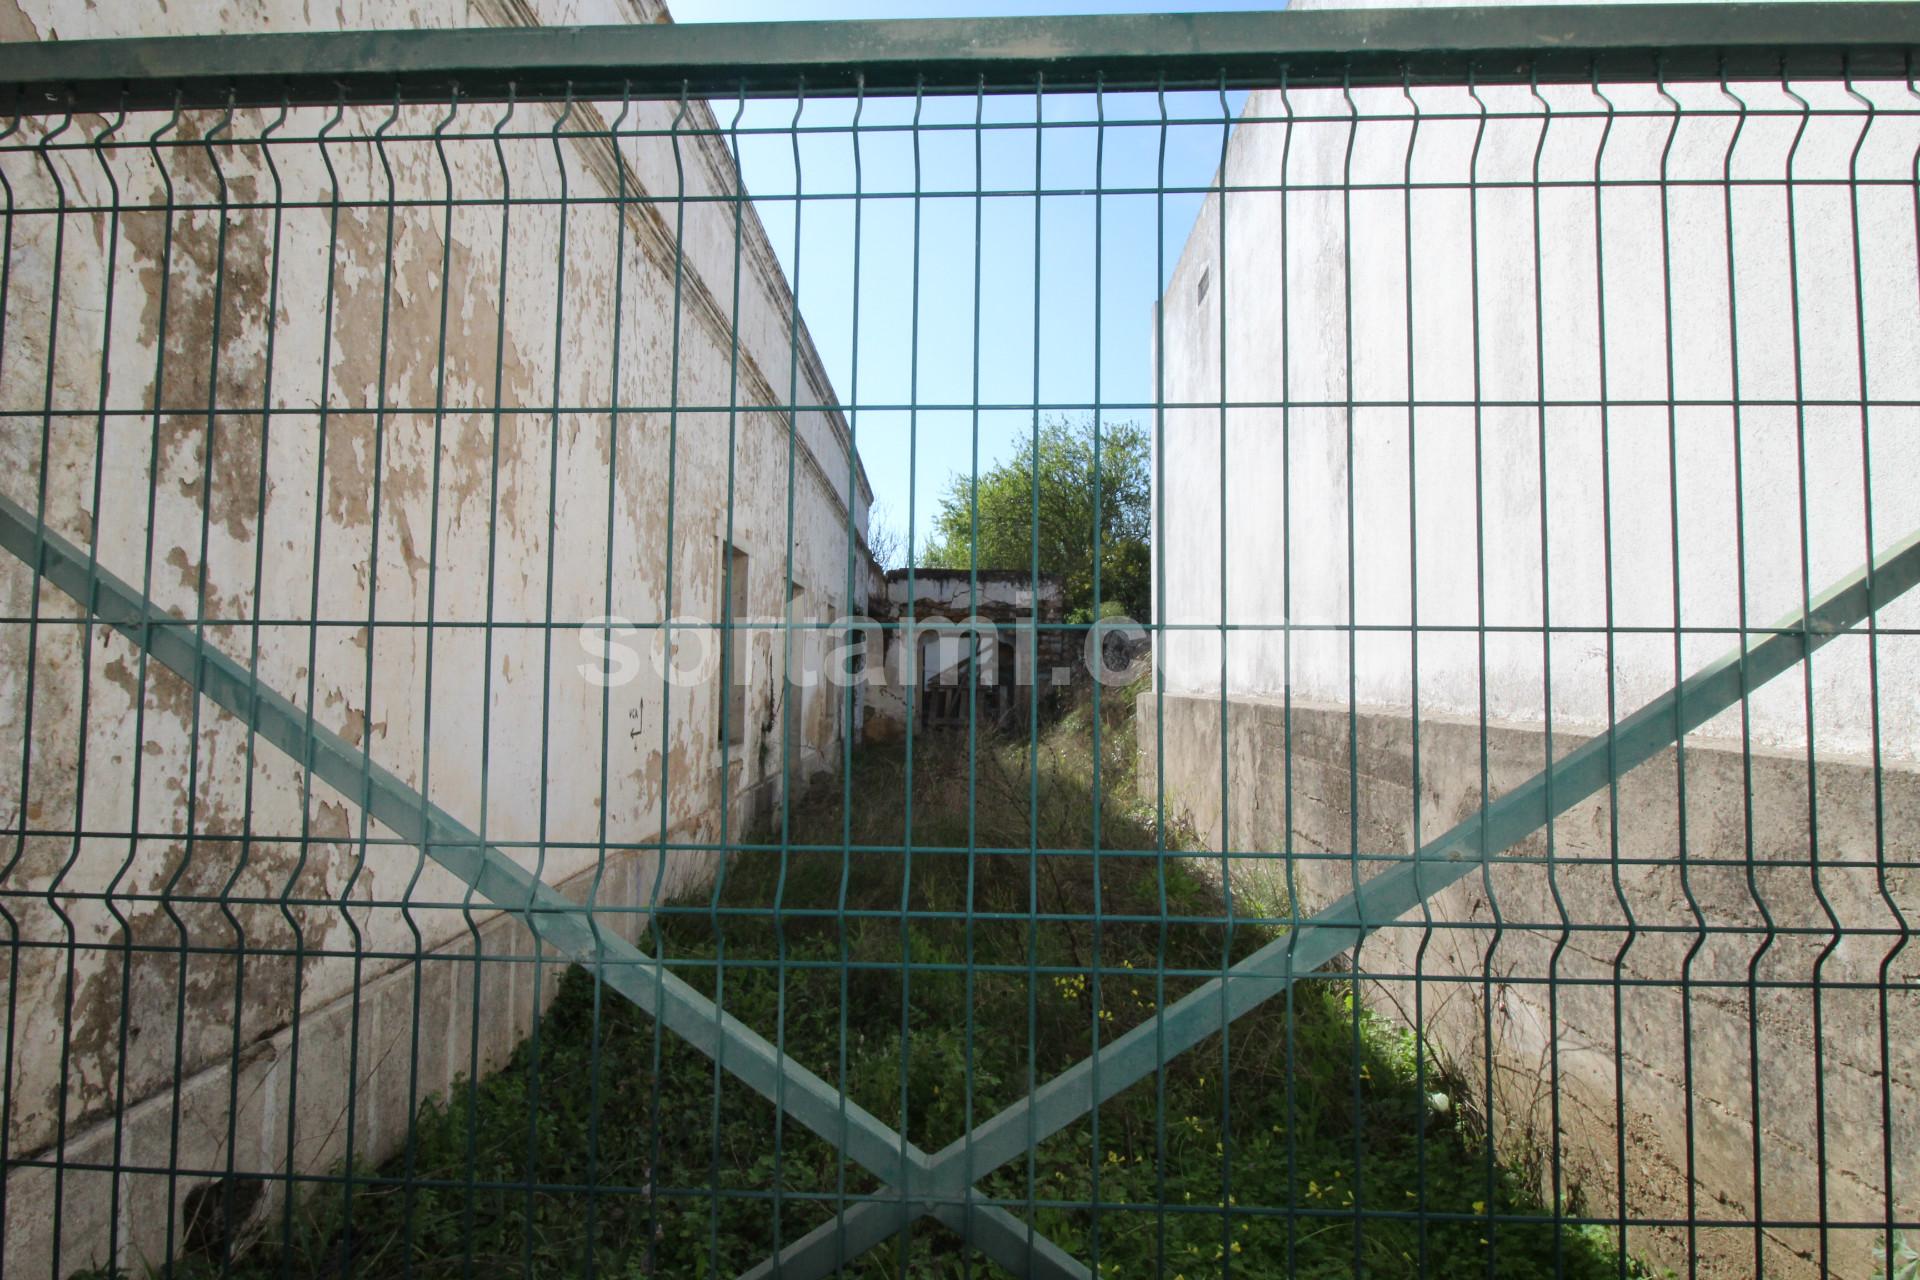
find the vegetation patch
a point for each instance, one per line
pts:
(939, 985)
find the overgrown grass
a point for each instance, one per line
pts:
(1310, 1145)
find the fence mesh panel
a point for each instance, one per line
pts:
(1290, 667)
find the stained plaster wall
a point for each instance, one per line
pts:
(1345, 290)
(136, 1036)
(1683, 1080)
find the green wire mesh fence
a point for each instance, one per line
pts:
(1244, 644)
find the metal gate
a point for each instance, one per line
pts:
(471, 803)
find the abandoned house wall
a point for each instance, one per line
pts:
(931, 621)
(384, 421)
(1484, 518)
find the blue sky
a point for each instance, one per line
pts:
(972, 248)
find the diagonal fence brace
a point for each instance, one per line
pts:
(1343, 925)
(554, 919)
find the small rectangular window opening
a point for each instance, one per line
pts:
(735, 645)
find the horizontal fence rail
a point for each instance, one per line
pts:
(1180, 644)
(1495, 45)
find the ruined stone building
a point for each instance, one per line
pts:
(403, 536)
(1463, 422)
(965, 646)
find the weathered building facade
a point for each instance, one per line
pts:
(966, 645)
(1501, 416)
(349, 407)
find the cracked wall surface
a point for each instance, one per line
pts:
(340, 406)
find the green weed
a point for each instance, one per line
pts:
(938, 987)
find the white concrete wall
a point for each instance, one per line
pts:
(503, 518)
(1485, 519)
(1316, 284)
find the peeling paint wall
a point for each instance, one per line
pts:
(275, 386)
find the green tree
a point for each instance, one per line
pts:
(1076, 499)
